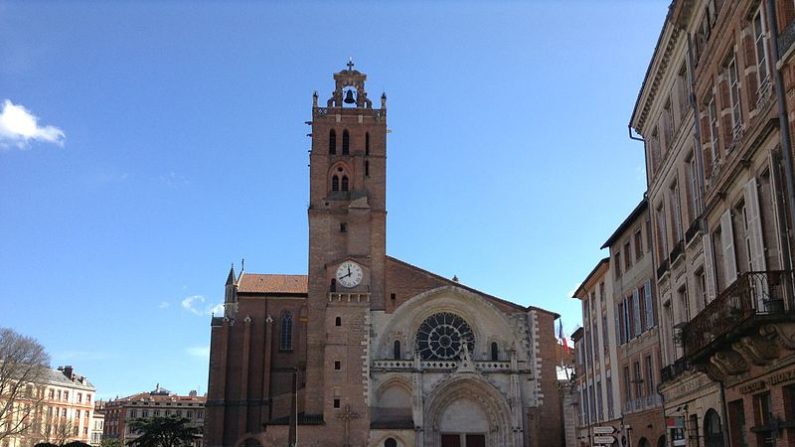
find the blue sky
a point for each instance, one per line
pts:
(171, 142)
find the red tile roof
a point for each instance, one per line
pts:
(260, 283)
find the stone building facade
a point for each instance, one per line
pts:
(715, 111)
(637, 337)
(369, 350)
(596, 373)
(619, 369)
(63, 409)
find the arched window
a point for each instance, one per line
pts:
(335, 183)
(286, 339)
(344, 182)
(346, 142)
(367, 168)
(332, 142)
(367, 143)
(713, 434)
(495, 352)
(338, 321)
(390, 442)
(396, 350)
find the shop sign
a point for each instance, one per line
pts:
(676, 428)
(780, 377)
(752, 387)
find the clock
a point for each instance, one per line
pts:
(349, 274)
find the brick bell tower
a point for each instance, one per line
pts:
(347, 252)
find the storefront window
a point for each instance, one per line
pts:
(737, 425)
(765, 436)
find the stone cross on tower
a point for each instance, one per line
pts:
(350, 64)
(346, 417)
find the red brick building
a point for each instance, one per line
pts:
(160, 402)
(383, 353)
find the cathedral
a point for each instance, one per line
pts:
(367, 350)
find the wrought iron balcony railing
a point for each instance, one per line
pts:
(673, 370)
(752, 298)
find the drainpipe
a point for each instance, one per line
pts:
(783, 121)
(725, 429)
(633, 137)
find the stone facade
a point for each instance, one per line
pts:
(383, 353)
(714, 111)
(63, 412)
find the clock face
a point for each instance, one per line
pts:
(349, 274)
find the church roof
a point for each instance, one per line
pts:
(272, 284)
(487, 296)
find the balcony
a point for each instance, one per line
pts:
(754, 298)
(674, 370)
(786, 38)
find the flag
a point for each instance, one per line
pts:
(562, 337)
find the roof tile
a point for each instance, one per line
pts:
(261, 283)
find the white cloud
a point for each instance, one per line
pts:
(202, 352)
(164, 305)
(18, 126)
(195, 304)
(218, 309)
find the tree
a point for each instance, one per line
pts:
(169, 431)
(76, 444)
(23, 366)
(110, 442)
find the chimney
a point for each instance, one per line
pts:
(68, 372)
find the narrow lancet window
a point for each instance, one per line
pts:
(286, 339)
(346, 142)
(332, 142)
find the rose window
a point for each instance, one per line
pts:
(442, 336)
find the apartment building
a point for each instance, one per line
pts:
(63, 401)
(596, 367)
(97, 427)
(159, 402)
(719, 176)
(636, 322)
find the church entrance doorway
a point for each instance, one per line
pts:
(463, 440)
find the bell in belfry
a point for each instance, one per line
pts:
(349, 97)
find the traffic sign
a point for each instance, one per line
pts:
(604, 430)
(604, 439)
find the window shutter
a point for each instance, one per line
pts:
(757, 254)
(727, 240)
(636, 312)
(627, 316)
(619, 334)
(649, 305)
(709, 267)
